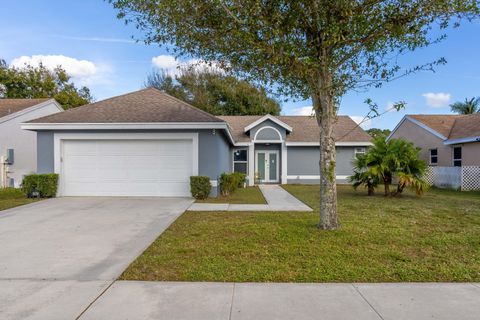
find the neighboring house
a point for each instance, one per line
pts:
(445, 140)
(148, 143)
(18, 148)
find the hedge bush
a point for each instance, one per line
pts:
(240, 179)
(45, 184)
(228, 184)
(200, 187)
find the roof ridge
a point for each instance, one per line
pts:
(183, 102)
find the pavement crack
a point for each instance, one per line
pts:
(368, 302)
(231, 302)
(95, 300)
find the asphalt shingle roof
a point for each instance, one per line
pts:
(143, 106)
(154, 106)
(9, 106)
(452, 126)
(305, 128)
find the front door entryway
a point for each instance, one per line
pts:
(266, 166)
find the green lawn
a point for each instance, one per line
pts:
(10, 198)
(433, 238)
(249, 195)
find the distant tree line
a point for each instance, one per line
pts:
(31, 82)
(215, 92)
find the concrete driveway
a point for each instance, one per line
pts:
(58, 255)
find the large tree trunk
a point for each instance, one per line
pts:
(326, 114)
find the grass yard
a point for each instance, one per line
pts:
(433, 238)
(10, 198)
(248, 195)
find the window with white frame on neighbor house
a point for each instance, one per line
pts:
(457, 156)
(359, 151)
(433, 156)
(240, 163)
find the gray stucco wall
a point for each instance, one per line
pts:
(304, 161)
(213, 151)
(45, 154)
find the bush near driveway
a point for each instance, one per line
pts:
(200, 187)
(433, 238)
(45, 184)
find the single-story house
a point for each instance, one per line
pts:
(148, 143)
(445, 140)
(18, 148)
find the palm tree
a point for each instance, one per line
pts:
(386, 160)
(470, 106)
(365, 175)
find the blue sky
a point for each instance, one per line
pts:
(93, 45)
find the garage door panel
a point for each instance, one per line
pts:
(127, 167)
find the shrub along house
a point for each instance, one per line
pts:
(147, 143)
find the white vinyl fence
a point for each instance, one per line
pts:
(463, 178)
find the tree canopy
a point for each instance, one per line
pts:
(378, 133)
(469, 106)
(39, 82)
(317, 49)
(215, 92)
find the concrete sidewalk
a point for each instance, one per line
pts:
(277, 200)
(226, 301)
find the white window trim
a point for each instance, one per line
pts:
(58, 139)
(280, 139)
(361, 152)
(233, 159)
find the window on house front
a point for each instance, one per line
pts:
(359, 151)
(457, 156)
(433, 156)
(240, 161)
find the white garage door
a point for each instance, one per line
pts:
(126, 167)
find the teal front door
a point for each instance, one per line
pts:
(266, 166)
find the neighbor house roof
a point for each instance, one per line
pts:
(10, 106)
(304, 128)
(452, 127)
(148, 105)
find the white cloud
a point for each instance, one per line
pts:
(173, 66)
(74, 67)
(366, 124)
(303, 111)
(83, 72)
(165, 62)
(437, 100)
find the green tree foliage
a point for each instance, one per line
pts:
(386, 160)
(470, 106)
(39, 82)
(317, 49)
(378, 133)
(215, 92)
